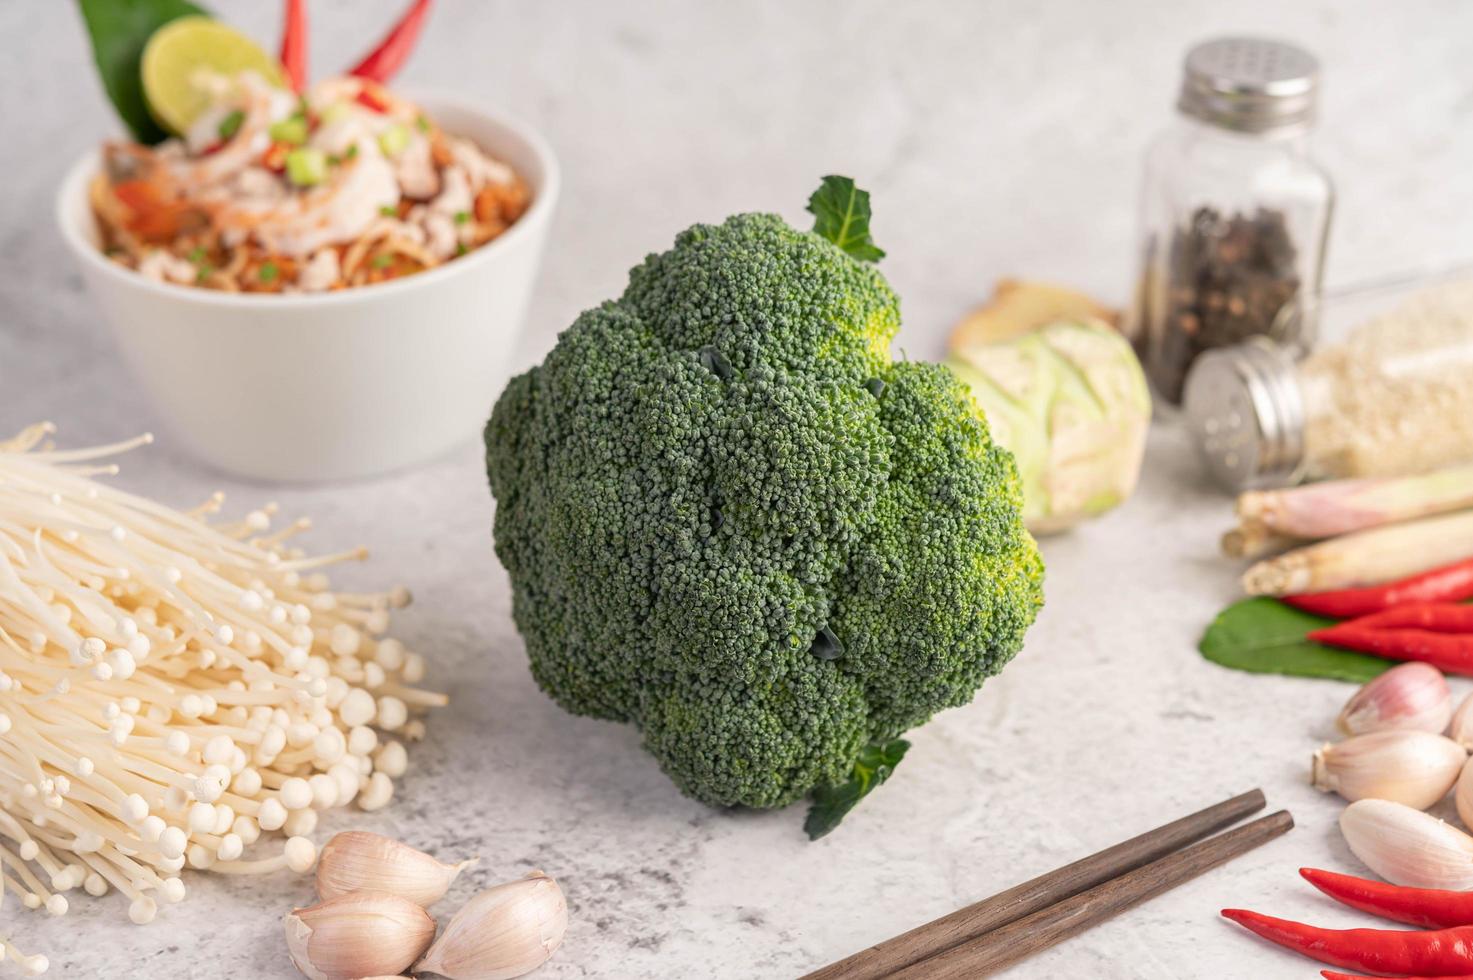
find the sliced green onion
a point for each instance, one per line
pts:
(352, 152)
(268, 272)
(292, 131)
(382, 261)
(334, 112)
(461, 217)
(393, 140)
(306, 166)
(196, 254)
(389, 211)
(422, 124)
(230, 125)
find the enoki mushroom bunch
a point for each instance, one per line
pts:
(170, 689)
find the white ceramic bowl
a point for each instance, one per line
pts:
(337, 385)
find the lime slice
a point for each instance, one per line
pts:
(177, 55)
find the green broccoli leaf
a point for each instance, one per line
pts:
(841, 214)
(119, 29)
(1265, 636)
(830, 803)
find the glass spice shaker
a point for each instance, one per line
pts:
(1395, 397)
(1234, 211)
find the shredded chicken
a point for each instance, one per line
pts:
(320, 272)
(162, 266)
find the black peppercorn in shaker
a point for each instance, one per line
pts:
(1234, 211)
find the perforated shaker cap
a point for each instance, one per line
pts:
(1245, 410)
(1250, 84)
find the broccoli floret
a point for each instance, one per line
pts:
(731, 520)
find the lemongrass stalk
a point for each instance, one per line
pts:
(1252, 540)
(1323, 510)
(1373, 557)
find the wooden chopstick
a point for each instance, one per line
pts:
(1021, 900)
(1003, 947)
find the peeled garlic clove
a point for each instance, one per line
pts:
(503, 932)
(1415, 768)
(1460, 730)
(1408, 847)
(357, 860)
(359, 935)
(1408, 696)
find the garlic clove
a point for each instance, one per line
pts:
(357, 860)
(1460, 729)
(1463, 796)
(503, 932)
(1408, 696)
(1415, 768)
(358, 935)
(1408, 847)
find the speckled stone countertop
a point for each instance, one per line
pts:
(999, 139)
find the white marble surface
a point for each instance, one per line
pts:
(999, 139)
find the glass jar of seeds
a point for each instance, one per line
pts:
(1392, 396)
(1234, 211)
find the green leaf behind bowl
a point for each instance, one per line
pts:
(119, 30)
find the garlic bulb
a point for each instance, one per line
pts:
(1408, 696)
(1460, 729)
(503, 932)
(1408, 847)
(358, 935)
(1415, 768)
(357, 860)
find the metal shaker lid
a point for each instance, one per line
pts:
(1245, 410)
(1252, 85)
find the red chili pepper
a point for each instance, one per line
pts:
(274, 159)
(1336, 975)
(1449, 652)
(1451, 583)
(1431, 907)
(294, 44)
(1439, 617)
(384, 61)
(371, 98)
(1421, 954)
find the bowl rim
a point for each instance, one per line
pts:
(74, 185)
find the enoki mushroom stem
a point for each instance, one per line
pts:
(172, 690)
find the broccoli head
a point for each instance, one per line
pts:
(731, 519)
